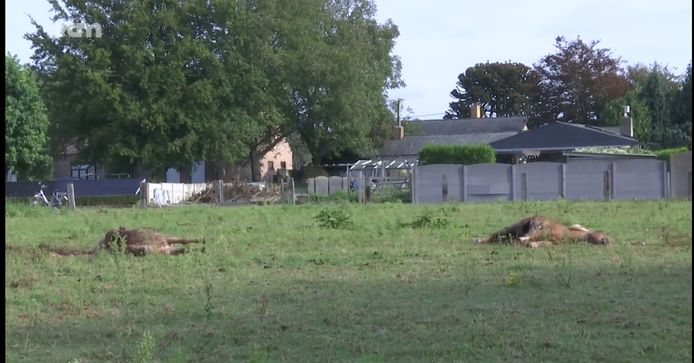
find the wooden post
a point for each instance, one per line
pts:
(606, 185)
(71, 196)
(293, 192)
(362, 186)
(444, 188)
(218, 186)
(144, 194)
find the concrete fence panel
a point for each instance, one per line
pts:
(681, 175)
(640, 179)
(335, 183)
(488, 182)
(438, 183)
(585, 179)
(538, 181)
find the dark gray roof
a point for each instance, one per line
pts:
(613, 129)
(410, 145)
(560, 136)
(471, 126)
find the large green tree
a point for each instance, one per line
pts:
(658, 101)
(341, 70)
(502, 89)
(152, 90)
(172, 82)
(26, 123)
(682, 111)
(578, 80)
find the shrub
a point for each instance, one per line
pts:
(665, 153)
(334, 218)
(457, 154)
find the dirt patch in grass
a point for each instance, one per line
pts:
(23, 283)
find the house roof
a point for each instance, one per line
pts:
(471, 126)
(460, 131)
(410, 145)
(560, 136)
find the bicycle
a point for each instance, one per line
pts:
(58, 199)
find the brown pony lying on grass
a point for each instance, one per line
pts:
(139, 242)
(538, 231)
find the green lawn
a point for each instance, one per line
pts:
(398, 282)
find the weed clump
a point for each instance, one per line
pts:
(333, 218)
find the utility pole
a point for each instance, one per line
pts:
(397, 111)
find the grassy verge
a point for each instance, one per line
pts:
(376, 282)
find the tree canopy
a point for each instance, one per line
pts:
(501, 89)
(26, 123)
(171, 82)
(578, 80)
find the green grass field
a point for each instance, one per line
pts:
(396, 282)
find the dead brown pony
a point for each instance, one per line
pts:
(143, 241)
(538, 231)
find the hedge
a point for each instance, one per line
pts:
(665, 153)
(457, 154)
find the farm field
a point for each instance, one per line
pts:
(393, 282)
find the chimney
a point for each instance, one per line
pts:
(398, 132)
(475, 111)
(626, 126)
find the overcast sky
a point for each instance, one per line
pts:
(439, 39)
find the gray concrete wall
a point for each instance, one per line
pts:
(543, 181)
(640, 179)
(428, 185)
(488, 182)
(681, 175)
(578, 179)
(585, 179)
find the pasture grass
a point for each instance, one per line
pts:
(396, 282)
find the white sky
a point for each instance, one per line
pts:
(439, 39)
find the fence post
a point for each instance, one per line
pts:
(144, 194)
(71, 196)
(444, 188)
(613, 180)
(362, 187)
(218, 186)
(689, 185)
(513, 183)
(606, 185)
(463, 182)
(413, 192)
(293, 192)
(563, 180)
(524, 186)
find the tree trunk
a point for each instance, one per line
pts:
(254, 163)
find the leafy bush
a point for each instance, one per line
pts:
(665, 153)
(457, 154)
(334, 218)
(428, 221)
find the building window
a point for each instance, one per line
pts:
(270, 165)
(83, 171)
(283, 165)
